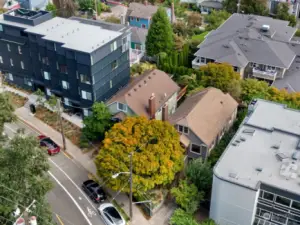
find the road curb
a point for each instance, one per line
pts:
(38, 131)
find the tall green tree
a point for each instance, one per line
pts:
(282, 13)
(24, 166)
(216, 18)
(200, 174)
(51, 8)
(187, 196)
(6, 111)
(86, 5)
(157, 156)
(98, 123)
(160, 34)
(253, 88)
(230, 6)
(256, 7)
(218, 75)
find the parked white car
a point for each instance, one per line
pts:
(111, 215)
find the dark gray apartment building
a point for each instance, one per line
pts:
(79, 60)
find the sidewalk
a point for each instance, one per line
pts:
(32, 98)
(160, 218)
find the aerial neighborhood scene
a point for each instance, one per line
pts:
(158, 112)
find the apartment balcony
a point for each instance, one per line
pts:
(136, 55)
(267, 74)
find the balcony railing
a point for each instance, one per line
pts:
(136, 55)
(268, 74)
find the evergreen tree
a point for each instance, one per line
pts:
(160, 35)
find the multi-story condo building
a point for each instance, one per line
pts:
(79, 60)
(256, 180)
(255, 46)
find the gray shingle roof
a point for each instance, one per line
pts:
(240, 40)
(138, 35)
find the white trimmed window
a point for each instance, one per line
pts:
(86, 95)
(10, 77)
(122, 107)
(114, 65)
(113, 46)
(28, 82)
(1, 59)
(22, 65)
(110, 84)
(85, 79)
(47, 75)
(8, 47)
(183, 129)
(198, 149)
(65, 85)
(48, 91)
(11, 62)
(67, 102)
(85, 112)
(20, 50)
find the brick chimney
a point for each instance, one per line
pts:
(152, 106)
(165, 112)
(145, 2)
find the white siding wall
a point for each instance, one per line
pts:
(172, 104)
(232, 204)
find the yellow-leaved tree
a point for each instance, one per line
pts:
(157, 154)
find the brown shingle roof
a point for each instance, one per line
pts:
(137, 93)
(205, 113)
(140, 10)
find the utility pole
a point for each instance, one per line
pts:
(25, 213)
(96, 9)
(238, 6)
(61, 124)
(130, 197)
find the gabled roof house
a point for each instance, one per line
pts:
(153, 94)
(202, 120)
(255, 46)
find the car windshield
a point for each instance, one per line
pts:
(49, 142)
(113, 213)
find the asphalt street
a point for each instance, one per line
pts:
(70, 206)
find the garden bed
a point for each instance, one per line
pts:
(72, 132)
(16, 100)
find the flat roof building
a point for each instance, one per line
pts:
(256, 180)
(79, 60)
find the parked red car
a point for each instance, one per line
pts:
(51, 146)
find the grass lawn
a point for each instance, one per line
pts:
(200, 37)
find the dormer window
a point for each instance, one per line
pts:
(183, 129)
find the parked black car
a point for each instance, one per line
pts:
(94, 191)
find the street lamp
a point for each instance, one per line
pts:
(130, 180)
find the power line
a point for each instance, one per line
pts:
(7, 219)
(42, 205)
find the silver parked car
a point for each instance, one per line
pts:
(111, 215)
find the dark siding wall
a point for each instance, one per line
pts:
(105, 81)
(12, 36)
